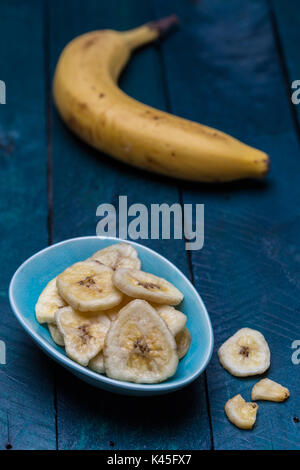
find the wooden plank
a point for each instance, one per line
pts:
(286, 25)
(27, 418)
(223, 69)
(83, 179)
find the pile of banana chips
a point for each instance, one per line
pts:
(116, 319)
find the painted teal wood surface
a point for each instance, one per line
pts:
(225, 67)
(27, 417)
(248, 271)
(286, 22)
(102, 418)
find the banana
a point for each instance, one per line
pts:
(87, 286)
(117, 256)
(141, 285)
(56, 334)
(83, 335)
(267, 389)
(183, 341)
(139, 347)
(240, 413)
(97, 363)
(174, 319)
(48, 302)
(245, 353)
(95, 109)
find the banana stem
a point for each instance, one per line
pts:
(149, 32)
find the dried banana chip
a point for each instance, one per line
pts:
(267, 389)
(87, 286)
(97, 363)
(121, 255)
(174, 319)
(183, 341)
(245, 353)
(139, 347)
(141, 285)
(48, 302)
(240, 413)
(56, 334)
(84, 336)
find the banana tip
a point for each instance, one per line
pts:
(164, 24)
(267, 163)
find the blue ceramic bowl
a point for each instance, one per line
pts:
(33, 275)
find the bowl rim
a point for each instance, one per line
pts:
(69, 363)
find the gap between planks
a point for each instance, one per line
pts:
(283, 65)
(49, 172)
(180, 194)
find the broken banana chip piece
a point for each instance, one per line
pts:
(48, 302)
(174, 319)
(141, 285)
(56, 334)
(139, 347)
(121, 255)
(84, 335)
(97, 363)
(245, 353)
(240, 413)
(183, 341)
(267, 389)
(87, 286)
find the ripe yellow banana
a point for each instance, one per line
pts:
(89, 100)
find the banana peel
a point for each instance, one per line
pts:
(92, 105)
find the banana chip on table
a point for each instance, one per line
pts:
(56, 334)
(121, 255)
(139, 347)
(240, 413)
(183, 341)
(174, 319)
(84, 335)
(267, 389)
(48, 302)
(87, 286)
(245, 353)
(141, 285)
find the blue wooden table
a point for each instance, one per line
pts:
(230, 65)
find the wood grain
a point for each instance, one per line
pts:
(229, 66)
(248, 269)
(286, 26)
(83, 179)
(27, 417)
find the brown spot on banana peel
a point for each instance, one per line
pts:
(84, 132)
(90, 42)
(156, 165)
